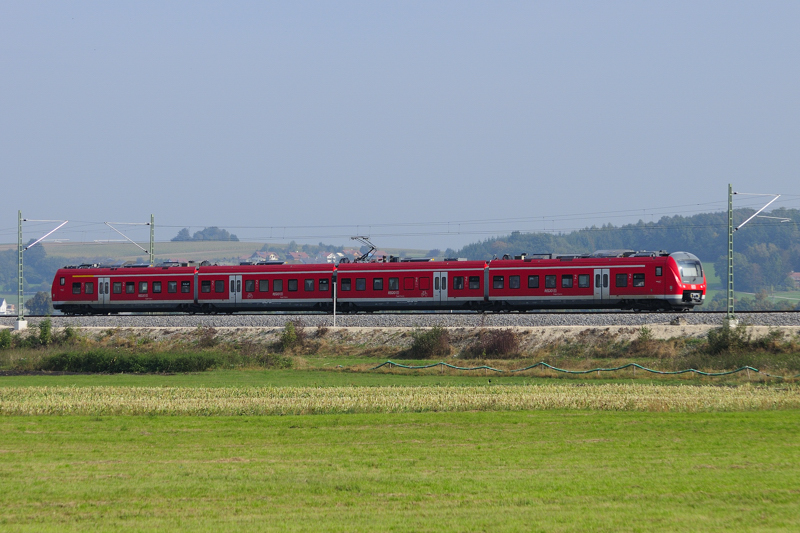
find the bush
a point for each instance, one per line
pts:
(497, 343)
(45, 332)
(727, 339)
(113, 362)
(294, 335)
(5, 338)
(206, 337)
(434, 342)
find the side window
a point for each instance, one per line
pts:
(76, 288)
(142, 287)
(513, 282)
(205, 285)
(498, 282)
(172, 286)
(249, 285)
(424, 284)
(219, 285)
(63, 281)
(89, 287)
(408, 284)
(292, 285)
(549, 282)
(130, 287)
(157, 286)
(324, 285)
(346, 284)
(474, 282)
(658, 272)
(533, 282)
(394, 284)
(361, 284)
(458, 283)
(186, 286)
(638, 280)
(377, 284)
(622, 280)
(263, 285)
(566, 281)
(583, 280)
(277, 285)
(117, 287)
(308, 285)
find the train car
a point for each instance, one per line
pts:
(626, 280)
(410, 285)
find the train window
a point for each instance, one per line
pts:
(566, 281)
(89, 287)
(263, 285)
(394, 284)
(308, 285)
(324, 285)
(186, 286)
(219, 285)
(377, 284)
(130, 287)
(205, 285)
(533, 282)
(658, 272)
(550, 282)
(277, 285)
(638, 280)
(249, 285)
(474, 282)
(292, 285)
(142, 287)
(172, 286)
(458, 283)
(156, 286)
(436, 283)
(513, 282)
(605, 280)
(361, 284)
(498, 282)
(117, 287)
(424, 284)
(622, 280)
(62, 281)
(583, 280)
(408, 284)
(76, 288)
(345, 284)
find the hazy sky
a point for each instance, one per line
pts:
(264, 117)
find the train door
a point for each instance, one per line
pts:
(601, 283)
(103, 297)
(440, 287)
(235, 292)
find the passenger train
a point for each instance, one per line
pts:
(603, 280)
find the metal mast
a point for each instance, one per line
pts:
(152, 238)
(730, 314)
(21, 324)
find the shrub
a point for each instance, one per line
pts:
(434, 342)
(206, 337)
(110, 361)
(45, 332)
(293, 335)
(497, 343)
(5, 338)
(727, 339)
(68, 335)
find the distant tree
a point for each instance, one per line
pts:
(183, 235)
(40, 304)
(434, 253)
(214, 233)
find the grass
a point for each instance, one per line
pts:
(508, 471)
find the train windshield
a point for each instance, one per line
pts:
(691, 271)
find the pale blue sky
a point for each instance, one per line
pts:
(257, 115)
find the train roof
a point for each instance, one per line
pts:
(422, 265)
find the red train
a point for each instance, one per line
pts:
(603, 280)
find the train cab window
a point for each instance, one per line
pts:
(219, 285)
(533, 282)
(583, 280)
(566, 281)
(658, 272)
(172, 286)
(394, 284)
(292, 285)
(324, 285)
(474, 282)
(377, 284)
(513, 282)
(130, 287)
(424, 284)
(205, 285)
(63, 281)
(408, 284)
(117, 287)
(308, 285)
(361, 284)
(458, 283)
(498, 282)
(263, 285)
(638, 280)
(186, 286)
(249, 285)
(142, 287)
(76, 288)
(622, 280)
(89, 287)
(550, 282)
(346, 284)
(277, 285)
(157, 287)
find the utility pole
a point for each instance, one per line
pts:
(729, 315)
(152, 238)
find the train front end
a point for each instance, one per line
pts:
(687, 284)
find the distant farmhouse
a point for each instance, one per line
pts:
(7, 308)
(796, 278)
